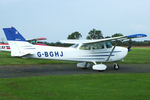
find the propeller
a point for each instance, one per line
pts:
(130, 45)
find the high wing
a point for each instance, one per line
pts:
(70, 41)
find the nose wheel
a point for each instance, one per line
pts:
(116, 66)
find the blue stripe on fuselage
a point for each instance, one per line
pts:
(105, 52)
(97, 55)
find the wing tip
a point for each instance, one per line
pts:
(137, 36)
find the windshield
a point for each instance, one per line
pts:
(75, 46)
(108, 45)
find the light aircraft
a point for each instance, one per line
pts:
(6, 47)
(83, 51)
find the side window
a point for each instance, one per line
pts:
(94, 46)
(98, 46)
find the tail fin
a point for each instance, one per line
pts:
(13, 35)
(18, 44)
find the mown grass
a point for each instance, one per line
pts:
(77, 87)
(136, 56)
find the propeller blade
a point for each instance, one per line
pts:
(130, 45)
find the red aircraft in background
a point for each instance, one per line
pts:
(6, 47)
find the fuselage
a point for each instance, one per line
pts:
(77, 54)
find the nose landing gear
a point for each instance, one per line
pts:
(116, 66)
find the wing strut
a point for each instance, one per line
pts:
(111, 52)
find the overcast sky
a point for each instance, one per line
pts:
(56, 19)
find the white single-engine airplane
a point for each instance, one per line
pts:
(85, 51)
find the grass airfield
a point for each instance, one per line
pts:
(138, 56)
(76, 87)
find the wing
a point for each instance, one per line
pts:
(103, 40)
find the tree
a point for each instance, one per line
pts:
(95, 34)
(74, 35)
(108, 37)
(117, 34)
(119, 42)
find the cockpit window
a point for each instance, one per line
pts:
(75, 45)
(108, 45)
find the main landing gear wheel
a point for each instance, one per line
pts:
(116, 66)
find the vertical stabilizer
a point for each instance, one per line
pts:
(18, 44)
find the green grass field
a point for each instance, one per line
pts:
(77, 87)
(136, 56)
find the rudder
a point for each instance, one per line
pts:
(18, 44)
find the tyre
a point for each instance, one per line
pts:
(116, 66)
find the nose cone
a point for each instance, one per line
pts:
(122, 52)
